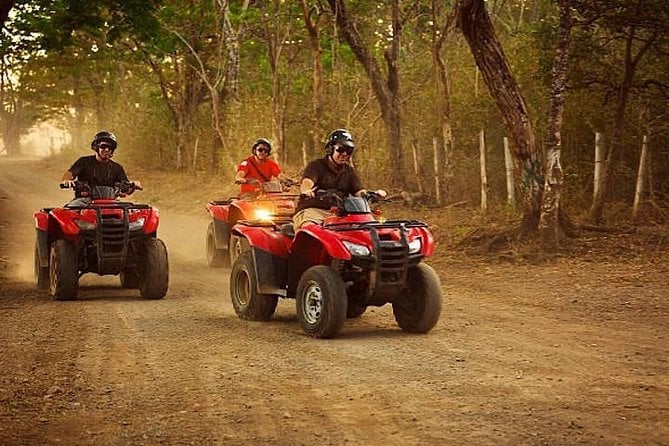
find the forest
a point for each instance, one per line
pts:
(574, 92)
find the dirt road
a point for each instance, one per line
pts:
(574, 352)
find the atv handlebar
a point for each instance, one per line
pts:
(370, 196)
(123, 188)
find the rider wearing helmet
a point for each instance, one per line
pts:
(333, 172)
(98, 169)
(259, 167)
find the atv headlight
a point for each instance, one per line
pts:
(356, 250)
(85, 225)
(137, 224)
(263, 214)
(415, 245)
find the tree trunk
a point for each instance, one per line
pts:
(388, 92)
(549, 223)
(443, 99)
(613, 150)
(474, 22)
(316, 131)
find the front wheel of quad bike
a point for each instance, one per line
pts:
(155, 277)
(321, 302)
(247, 301)
(418, 308)
(216, 258)
(130, 278)
(63, 270)
(41, 272)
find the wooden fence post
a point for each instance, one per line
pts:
(510, 183)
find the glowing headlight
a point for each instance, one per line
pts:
(137, 224)
(414, 246)
(355, 249)
(85, 225)
(263, 214)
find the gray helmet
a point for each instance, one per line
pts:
(261, 142)
(103, 136)
(341, 137)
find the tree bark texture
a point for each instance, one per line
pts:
(316, 130)
(549, 223)
(474, 22)
(388, 92)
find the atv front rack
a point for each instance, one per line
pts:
(390, 259)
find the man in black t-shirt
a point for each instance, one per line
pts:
(98, 169)
(333, 172)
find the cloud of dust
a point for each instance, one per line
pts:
(44, 139)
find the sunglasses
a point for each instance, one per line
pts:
(106, 146)
(346, 150)
(263, 149)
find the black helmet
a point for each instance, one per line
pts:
(103, 136)
(259, 142)
(339, 137)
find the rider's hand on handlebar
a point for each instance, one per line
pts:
(240, 181)
(381, 193)
(311, 193)
(137, 185)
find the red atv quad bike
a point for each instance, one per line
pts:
(272, 202)
(337, 269)
(105, 236)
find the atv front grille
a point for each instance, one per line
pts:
(113, 235)
(112, 240)
(392, 258)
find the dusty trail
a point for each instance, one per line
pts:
(559, 354)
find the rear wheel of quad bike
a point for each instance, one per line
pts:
(247, 301)
(417, 310)
(130, 278)
(321, 302)
(156, 274)
(237, 246)
(216, 258)
(63, 270)
(41, 272)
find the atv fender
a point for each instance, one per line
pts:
(272, 272)
(264, 238)
(219, 211)
(43, 247)
(64, 219)
(41, 220)
(152, 220)
(270, 257)
(221, 234)
(329, 241)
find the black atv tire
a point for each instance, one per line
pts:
(321, 302)
(63, 270)
(156, 274)
(418, 308)
(248, 303)
(216, 258)
(41, 272)
(130, 278)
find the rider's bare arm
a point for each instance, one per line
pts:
(239, 177)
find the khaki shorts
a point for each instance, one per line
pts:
(314, 215)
